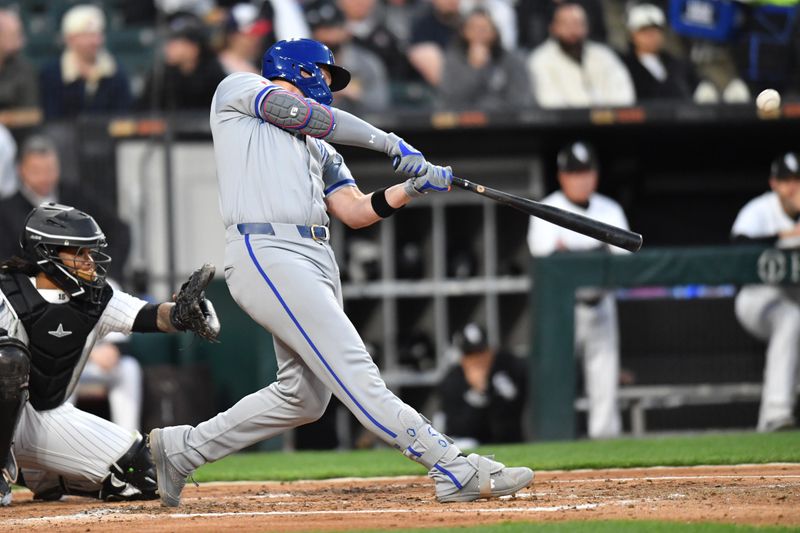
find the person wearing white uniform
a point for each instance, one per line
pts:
(596, 329)
(772, 312)
(54, 305)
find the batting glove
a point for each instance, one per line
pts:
(435, 178)
(406, 159)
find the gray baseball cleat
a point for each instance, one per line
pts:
(491, 480)
(170, 481)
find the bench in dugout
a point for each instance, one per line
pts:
(639, 399)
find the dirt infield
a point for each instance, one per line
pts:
(750, 494)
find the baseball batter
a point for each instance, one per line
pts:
(596, 329)
(772, 313)
(279, 180)
(54, 305)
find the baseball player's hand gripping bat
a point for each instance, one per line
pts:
(587, 226)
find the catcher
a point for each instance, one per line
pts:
(54, 304)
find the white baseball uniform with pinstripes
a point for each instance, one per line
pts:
(66, 441)
(290, 285)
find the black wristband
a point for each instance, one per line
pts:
(380, 205)
(147, 319)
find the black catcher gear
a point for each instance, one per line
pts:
(57, 333)
(51, 227)
(14, 369)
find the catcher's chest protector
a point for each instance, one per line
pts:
(57, 334)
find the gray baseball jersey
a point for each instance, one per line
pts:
(65, 441)
(771, 313)
(267, 174)
(290, 285)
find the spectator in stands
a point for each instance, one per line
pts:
(483, 395)
(432, 31)
(190, 71)
(502, 13)
(366, 22)
(534, 16)
(8, 173)
(772, 312)
(19, 87)
(479, 73)
(568, 70)
(596, 328)
(368, 90)
(85, 78)
(656, 74)
(39, 172)
(114, 377)
(243, 34)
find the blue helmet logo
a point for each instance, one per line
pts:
(298, 61)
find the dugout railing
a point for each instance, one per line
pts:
(555, 279)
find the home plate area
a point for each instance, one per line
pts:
(746, 494)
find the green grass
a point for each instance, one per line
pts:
(721, 449)
(597, 527)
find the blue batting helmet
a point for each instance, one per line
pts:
(288, 60)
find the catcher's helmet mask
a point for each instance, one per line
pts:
(52, 227)
(290, 59)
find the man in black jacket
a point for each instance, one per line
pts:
(483, 396)
(39, 174)
(190, 71)
(656, 74)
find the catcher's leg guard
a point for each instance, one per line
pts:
(14, 369)
(132, 477)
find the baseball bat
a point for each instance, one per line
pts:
(601, 231)
(625, 239)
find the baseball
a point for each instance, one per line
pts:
(768, 100)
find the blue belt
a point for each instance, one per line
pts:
(315, 231)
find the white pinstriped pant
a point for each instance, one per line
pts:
(70, 443)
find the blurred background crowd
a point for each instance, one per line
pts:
(170, 54)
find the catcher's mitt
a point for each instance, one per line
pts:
(192, 312)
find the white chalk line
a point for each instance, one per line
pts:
(670, 478)
(113, 515)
